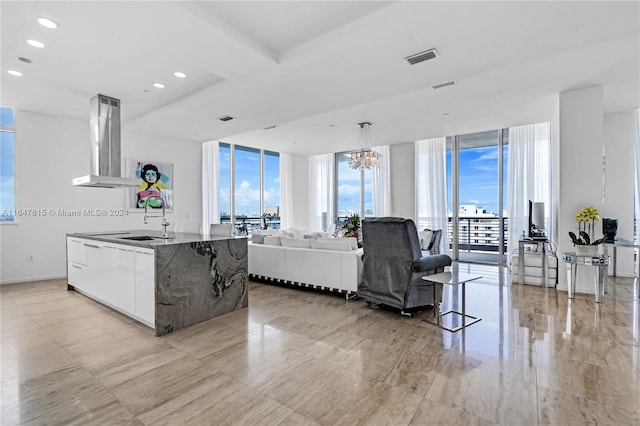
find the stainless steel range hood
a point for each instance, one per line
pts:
(105, 146)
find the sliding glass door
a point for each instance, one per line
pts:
(476, 184)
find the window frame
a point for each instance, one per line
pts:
(11, 129)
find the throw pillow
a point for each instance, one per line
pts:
(425, 239)
(271, 240)
(295, 242)
(338, 244)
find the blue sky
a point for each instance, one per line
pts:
(247, 180)
(7, 201)
(478, 177)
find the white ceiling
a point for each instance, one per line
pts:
(316, 69)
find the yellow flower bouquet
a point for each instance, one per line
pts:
(586, 219)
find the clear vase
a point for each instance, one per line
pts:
(587, 250)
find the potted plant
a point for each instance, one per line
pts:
(351, 227)
(585, 243)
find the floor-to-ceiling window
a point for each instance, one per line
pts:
(246, 185)
(271, 185)
(249, 187)
(476, 185)
(353, 190)
(7, 171)
(224, 175)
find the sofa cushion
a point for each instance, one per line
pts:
(258, 238)
(316, 235)
(271, 240)
(353, 242)
(295, 242)
(339, 244)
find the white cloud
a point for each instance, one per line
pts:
(346, 189)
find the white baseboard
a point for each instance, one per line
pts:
(30, 279)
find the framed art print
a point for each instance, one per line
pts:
(155, 187)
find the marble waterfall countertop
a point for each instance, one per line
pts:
(122, 237)
(197, 277)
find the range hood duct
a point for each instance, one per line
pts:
(105, 146)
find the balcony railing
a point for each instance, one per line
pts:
(245, 225)
(479, 233)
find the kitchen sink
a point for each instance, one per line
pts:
(143, 238)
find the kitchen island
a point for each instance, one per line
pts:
(165, 283)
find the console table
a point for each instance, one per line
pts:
(621, 242)
(521, 261)
(600, 260)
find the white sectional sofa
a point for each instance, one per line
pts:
(326, 263)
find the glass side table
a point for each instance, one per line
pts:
(601, 261)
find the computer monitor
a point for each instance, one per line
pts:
(536, 220)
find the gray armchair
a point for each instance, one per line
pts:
(393, 266)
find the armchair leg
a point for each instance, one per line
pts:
(406, 314)
(372, 305)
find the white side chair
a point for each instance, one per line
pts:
(221, 229)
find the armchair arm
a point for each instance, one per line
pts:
(429, 263)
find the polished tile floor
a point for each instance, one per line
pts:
(298, 357)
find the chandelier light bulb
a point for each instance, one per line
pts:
(365, 158)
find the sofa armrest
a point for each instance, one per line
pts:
(429, 263)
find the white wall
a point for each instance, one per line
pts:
(619, 183)
(403, 181)
(580, 176)
(300, 187)
(50, 151)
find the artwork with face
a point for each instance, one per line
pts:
(156, 183)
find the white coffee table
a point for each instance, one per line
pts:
(450, 278)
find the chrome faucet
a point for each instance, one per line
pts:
(164, 214)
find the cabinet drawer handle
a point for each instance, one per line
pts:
(124, 249)
(91, 245)
(76, 266)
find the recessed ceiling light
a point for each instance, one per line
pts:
(179, 74)
(445, 114)
(158, 85)
(25, 60)
(15, 73)
(35, 43)
(47, 23)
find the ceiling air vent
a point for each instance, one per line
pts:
(226, 118)
(422, 56)
(441, 85)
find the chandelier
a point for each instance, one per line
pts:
(365, 158)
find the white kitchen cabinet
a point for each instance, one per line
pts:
(76, 261)
(118, 275)
(125, 279)
(76, 251)
(145, 307)
(91, 282)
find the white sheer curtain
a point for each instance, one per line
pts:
(381, 183)
(528, 177)
(286, 191)
(210, 185)
(321, 193)
(636, 145)
(431, 187)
